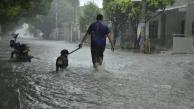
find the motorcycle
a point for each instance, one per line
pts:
(21, 51)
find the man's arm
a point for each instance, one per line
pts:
(110, 40)
(85, 36)
(83, 39)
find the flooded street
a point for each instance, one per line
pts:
(126, 80)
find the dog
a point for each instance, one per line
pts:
(62, 60)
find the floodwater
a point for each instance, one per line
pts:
(125, 81)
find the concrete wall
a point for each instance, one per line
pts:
(189, 20)
(67, 32)
(173, 22)
(180, 2)
(182, 45)
(169, 24)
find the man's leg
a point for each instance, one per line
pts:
(12, 53)
(101, 55)
(93, 54)
(97, 56)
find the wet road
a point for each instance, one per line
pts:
(126, 81)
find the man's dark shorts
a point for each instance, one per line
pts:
(97, 52)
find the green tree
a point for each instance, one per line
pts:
(120, 10)
(88, 15)
(12, 11)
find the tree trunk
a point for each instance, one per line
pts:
(115, 32)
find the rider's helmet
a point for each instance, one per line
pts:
(11, 43)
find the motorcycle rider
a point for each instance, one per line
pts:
(16, 46)
(20, 50)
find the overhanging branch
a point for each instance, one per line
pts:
(154, 16)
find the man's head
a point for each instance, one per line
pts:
(99, 17)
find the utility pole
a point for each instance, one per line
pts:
(143, 20)
(57, 31)
(142, 26)
(74, 26)
(75, 11)
(73, 22)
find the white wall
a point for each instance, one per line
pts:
(182, 45)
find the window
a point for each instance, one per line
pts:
(182, 27)
(153, 29)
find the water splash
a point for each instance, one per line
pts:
(24, 31)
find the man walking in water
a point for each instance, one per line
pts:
(99, 32)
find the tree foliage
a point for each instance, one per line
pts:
(126, 13)
(88, 15)
(11, 11)
(133, 9)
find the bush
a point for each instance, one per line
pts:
(127, 45)
(150, 46)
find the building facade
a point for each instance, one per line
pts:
(177, 20)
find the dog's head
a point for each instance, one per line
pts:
(64, 52)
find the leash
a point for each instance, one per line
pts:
(74, 51)
(37, 58)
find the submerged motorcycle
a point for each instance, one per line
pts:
(20, 52)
